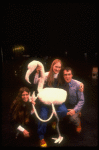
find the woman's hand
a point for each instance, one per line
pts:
(32, 101)
(26, 133)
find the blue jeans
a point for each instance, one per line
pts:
(44, 110)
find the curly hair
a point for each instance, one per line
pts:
(16, 108)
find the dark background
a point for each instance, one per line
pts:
(50, 28)
(48, 31)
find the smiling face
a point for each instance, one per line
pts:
(25, 96)
(57, 67)
(67, 75)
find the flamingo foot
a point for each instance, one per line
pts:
(58, 140)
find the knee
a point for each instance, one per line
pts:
(44, 113)
(64, 110)
(75, 120)
(43, 116)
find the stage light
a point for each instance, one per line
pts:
(18, 48)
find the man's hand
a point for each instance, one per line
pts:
(26, 133)
(71, 112)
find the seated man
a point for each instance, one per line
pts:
(75, 98)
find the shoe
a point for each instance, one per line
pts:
(43, 143)
(54, 125)
(78, 128)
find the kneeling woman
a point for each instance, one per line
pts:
(20, 112)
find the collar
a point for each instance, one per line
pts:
(70, 83)
(56, 75)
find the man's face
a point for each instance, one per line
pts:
(25, 96)
(57, 67)
(67, 75)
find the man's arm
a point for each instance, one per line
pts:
(80, 101)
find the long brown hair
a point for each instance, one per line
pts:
(50, 78)
(15, 111)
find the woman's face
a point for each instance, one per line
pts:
(25, 96)
(57, 67)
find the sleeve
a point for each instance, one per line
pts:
(77, 81)
(81, 100)
(20, 128)
(46, 75)
(36, 79)
(42, 81)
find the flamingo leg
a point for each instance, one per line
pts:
(60, 138)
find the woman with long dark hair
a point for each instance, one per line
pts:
(20, 112)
